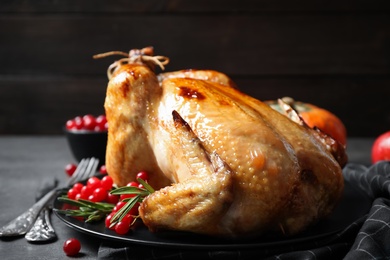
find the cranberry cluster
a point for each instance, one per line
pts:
(98, 190)
(87, 123)
(95, 190)
(123, 226)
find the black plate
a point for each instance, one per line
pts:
(353, 205)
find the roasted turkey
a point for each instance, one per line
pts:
(222, 163)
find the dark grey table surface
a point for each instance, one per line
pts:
(25, 161)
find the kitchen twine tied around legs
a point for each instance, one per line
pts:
(137, 56)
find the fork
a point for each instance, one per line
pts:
(42, 230)
(23, 223)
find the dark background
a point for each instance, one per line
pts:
(335, 54)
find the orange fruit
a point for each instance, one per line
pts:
(315, 116)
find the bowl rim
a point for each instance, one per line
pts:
(84, 132)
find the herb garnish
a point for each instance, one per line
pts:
(94, 211)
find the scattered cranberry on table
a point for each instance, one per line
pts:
(70, 168)
(72, 247)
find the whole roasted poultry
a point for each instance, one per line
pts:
(223, 163)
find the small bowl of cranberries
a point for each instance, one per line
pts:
(87, 136)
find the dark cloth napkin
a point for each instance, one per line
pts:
(366, 238)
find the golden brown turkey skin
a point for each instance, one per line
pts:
(128, 149)
(239, 168)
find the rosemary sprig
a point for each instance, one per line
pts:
(120, 214)
(94, 211)
(130, 190)
(140, 193)
(103, 206)
(91, 211)
(146, 185)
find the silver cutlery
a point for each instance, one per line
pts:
(42, 230)
(23, 223)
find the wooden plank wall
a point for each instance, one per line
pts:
(335, 54)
